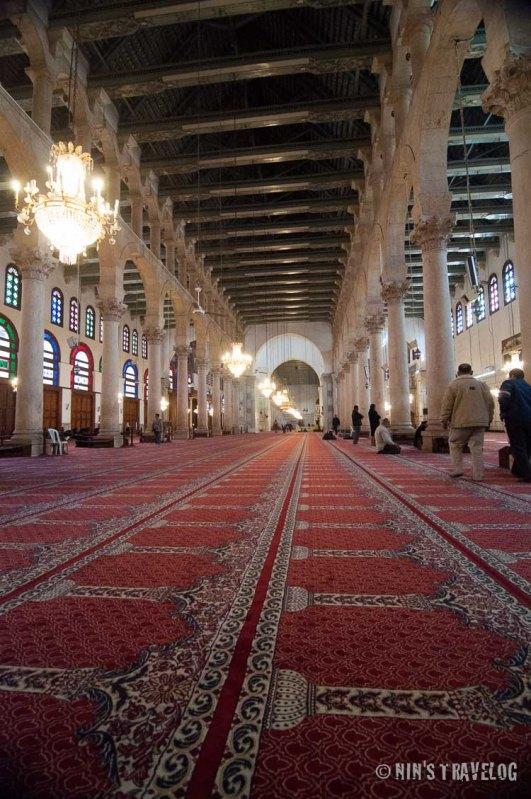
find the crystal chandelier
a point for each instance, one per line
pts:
(236, 360)
(281, 398)
(267, 386)
(69, 221)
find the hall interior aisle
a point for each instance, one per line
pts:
(396, 644)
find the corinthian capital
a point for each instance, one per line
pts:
(201, 363)
(361, 344)
(510, 88)
(432, 232)
(153, 334)
(182, 351)
(34, 264)
(111, 309)
(395, 290)
(375, 323)
(353, 357)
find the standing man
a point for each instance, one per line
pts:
(467, 408)
(357, 419)
(515, 411)
(335, 424)
(157, 428)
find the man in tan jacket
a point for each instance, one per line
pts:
(468, 409)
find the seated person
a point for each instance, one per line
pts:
(417, 441)
(384, 440)
(329, 436)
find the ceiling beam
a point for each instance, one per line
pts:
(247, 156)
(292, 258)
(330, 58)
(237, 188)
(126, 18)
(284, 243)
(317, 225)
(244, 119)
(317, 205)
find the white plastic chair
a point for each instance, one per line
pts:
(58, 447)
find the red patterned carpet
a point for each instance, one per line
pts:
(263, 616)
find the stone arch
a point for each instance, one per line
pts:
(288, 347)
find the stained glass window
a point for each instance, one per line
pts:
(509, 283)
(90, 322)
(13, 287)
(73, 319)
(56, 311)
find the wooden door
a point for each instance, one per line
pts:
(7, 408)
(82, 415)
(51, 407)
(131, 412)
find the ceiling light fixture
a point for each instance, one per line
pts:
(63, 215)
(236, 360)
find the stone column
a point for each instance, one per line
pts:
(328, 400)
(340, 395)
(362, 348)
(137, 215)
(347, 406)
(509, 95)
(432, 234)
(417, 36)
(154, 238)
(216, 400)
(42, 98)
(35, 266)
(375, 324)
(227, 397)
(154, 336)
(354, 379)
(393, 294)
(236, 416)
(111, 310)
(183, 423)
(169, 246)
(202, 407)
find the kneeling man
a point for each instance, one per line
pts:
(384, 440)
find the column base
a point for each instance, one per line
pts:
(435, 439)
(201, 432)
(182, 433)
(31, 441)
(108, 434)
(216, 431)
(226, 432)
(403, 433)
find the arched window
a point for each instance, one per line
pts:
(56, 310)
(130, 375)
(90, 322)
(73, 316)
(13, 287)
(50, 361)
(82, 368)
(459, 319)
(144, 347)
(146, 385)
(126, 338)
(101, 329)
(8, 348)
(479, 305)
(469, 315)
(509, 284)
(134, 342)
(494, 297)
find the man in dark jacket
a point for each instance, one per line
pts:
(335, 424)
(374, 420)
(515, 411)
(357, 419)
